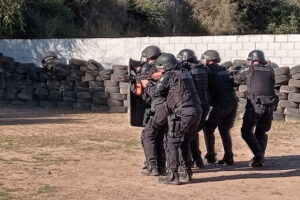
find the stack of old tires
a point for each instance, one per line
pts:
(282, 77)
(117, 90)
(293, 112)
(89, 90)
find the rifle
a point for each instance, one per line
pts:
(137, 80)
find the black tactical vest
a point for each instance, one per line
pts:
(182, 92)
(200, 77)
(220, 86)
(261, 82)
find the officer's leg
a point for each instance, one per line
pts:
(172, 148)
(263, 126)
(249, 122)
(224, 129)
(189, 127)
(209, 129)
(160, 124)
(142, 142)
(150, 150)
(161, 155)
(195, 151)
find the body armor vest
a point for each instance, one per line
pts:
(200, 77)
(220, 85)
(182, 93)
(261, 82)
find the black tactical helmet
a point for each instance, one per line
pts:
(257, 55)
(211, 55)
(147, 69)
(167, 61)
(187, 55)
(151, 52)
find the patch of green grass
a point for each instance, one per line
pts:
(47, 189)
(107, 148)
(4, 195)
(88, 149)
(130, 143)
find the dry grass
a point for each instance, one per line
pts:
(53, 154)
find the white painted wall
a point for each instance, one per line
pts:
(281, 49)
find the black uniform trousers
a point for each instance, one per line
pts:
(259, 117)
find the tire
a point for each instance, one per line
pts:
(106, 72)
(280, 110)
(296, 76)
(99, 108)
(83, 106)
(124, 85)
(121, 72)
(102, 95)
(120, 67)
(84, 95)
(282, 71)
(95, 84)
(278, 116)
(293, 118)
(287, 104)
(116, 78)
(112, 102)
(94, 65)
(240, 94)
(83, 68)
(282, 79)
(227, 64)
(238, 62)
(112, 89)
(117, 109)
(243, 88)
(103, 77)
(294, 83)
(282, 96)
(124, 90)
(88, 78)
(109, 83)
(288, 111)
(294, 97)
(289, 89)
(97, 89)
(118, 96)
(295, 70)
(78, 62)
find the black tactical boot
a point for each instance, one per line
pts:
(257, 161)
(199, 163)
(162, 170)
(145, 165)
(186, 176)
(151, 170)
(211, 158)
(227, 159)
(172, 178)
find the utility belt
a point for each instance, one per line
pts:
(264, 100)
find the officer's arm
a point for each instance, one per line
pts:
(158, 89)
(240, 77)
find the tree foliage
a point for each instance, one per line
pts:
(123, 18)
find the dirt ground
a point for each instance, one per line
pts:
(58, 155)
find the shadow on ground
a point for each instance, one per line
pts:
(286, 166)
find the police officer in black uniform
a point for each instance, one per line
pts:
(261, 102)
(155, 121)
(224, 103)
(184, 108)
(200, 76)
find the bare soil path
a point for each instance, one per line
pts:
(58, 155)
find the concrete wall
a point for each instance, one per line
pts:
(281, 49)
